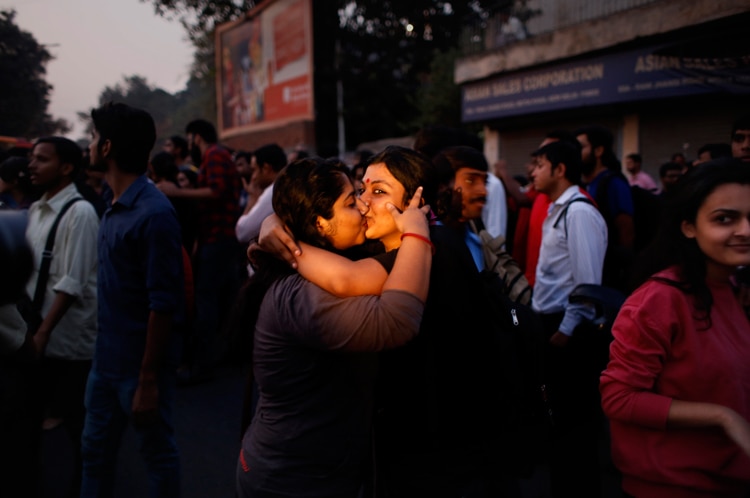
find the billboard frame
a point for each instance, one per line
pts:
(278, 33)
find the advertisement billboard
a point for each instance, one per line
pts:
(264, 68)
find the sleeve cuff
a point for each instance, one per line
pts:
(69, 286)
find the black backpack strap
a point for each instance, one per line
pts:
(41, 282)
(564, 212)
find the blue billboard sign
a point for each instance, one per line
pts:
(643, 74)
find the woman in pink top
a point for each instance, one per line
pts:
(677, 386)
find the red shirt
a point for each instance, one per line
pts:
(534, 238)
(217, 216)
(662, 352)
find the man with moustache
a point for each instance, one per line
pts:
(140, 285)
(215, 262)
(608, 186)
(465, 169)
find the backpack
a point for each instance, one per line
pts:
(646, 209)
(606, 302)
(500, 262)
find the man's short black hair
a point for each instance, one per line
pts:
(244, 154)
(562, 152)
(635, 157)
(271, 154)
(68, 152)
(667, 167)
(131, 131)
(180, 142)
(203, 129)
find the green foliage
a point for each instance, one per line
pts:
(387, 56)
(24, 92)
(167, 110)
(438, 100)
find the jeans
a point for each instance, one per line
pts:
(108, 408)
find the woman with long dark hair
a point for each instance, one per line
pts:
(677, 386)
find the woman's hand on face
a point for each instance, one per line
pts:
(414, 218)
(274, 238)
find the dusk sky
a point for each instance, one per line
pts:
(95, 43)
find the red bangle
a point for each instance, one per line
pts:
(420, 237)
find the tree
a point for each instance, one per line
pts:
(382, 49)
(24, 93)
(137, 92)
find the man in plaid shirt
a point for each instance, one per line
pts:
(215, 256)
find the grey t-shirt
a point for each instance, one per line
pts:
(315, 365)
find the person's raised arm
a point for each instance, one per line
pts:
(275, 239)
(334, 273)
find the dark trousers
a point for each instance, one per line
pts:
(20, 427)
(64, 387)
(216, 285)
(572, 378)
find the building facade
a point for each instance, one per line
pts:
(665, 76)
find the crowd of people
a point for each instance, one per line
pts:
(358, 296)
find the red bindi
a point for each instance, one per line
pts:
(367, 181)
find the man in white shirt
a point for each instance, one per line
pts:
(265, 164)
(574, 240)
(495, 213)
(65, 339)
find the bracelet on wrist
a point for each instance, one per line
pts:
(420, 237)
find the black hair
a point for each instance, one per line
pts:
(180, 142)
(670, 247)
(131, 132)
(667, 167)
(191, 175)
(243, 154)
(68, 152)
(635, 157)
(15, 169)
(742, 123)
(447, 206)
(305, 189)
(164, 166)
(562, 135)
(203, 129)
(599, 136)
(716, 150)
(562, 152)
(271, 154)
(411, 168)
